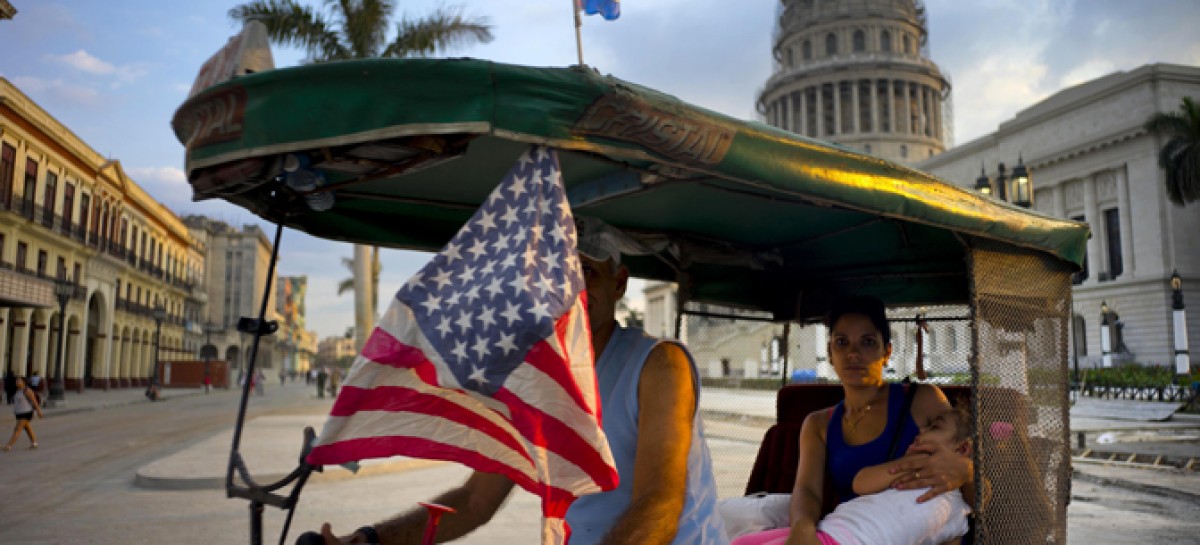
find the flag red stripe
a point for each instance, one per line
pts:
(555, 500)
(545, 359)
(383, 348)
(548, 432)
(402, 399)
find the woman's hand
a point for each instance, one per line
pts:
(943, 470)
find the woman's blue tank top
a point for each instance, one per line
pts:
(844, 461)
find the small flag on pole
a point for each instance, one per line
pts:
(485, 357)
(609, 9)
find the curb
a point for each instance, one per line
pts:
(56, 411)
(330, 473)
(1134, 486)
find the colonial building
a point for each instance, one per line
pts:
(238, 267)
(857, 72)
(1091, 160)
(125, 266)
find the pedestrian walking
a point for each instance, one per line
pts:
(321, 378)
(24, 406)
(260, 382)
(207, 382)
(35, 382)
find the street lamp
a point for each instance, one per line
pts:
(1183, 362)
(1106, 334)
(1018, 189)
(208, 352)
(982, 184)
(1021, 191)
(63, 290)
(160, 314)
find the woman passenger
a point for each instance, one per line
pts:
(837, 442)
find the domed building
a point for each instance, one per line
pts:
(857, 72)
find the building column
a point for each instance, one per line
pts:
(1092, 214)
(794, 99)
(41, 345)
(803, 112)
(922, 119)
(820, 111)
(1125, 214)
(838, 130)
(4, 322)
(785, 109)
(875, 107)
(20, 339)
(937, 116)
(891, 99)
(1059, 193)
(856, 121)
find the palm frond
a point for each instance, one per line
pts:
(292, 24)
(1180, 155)
(345, 286)
(442, 29)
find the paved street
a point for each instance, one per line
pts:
(79, 487)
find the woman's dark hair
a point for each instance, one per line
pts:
(871, 307)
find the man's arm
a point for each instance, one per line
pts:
(475, 502)
(667, 401)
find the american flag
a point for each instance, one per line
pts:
(485, 357)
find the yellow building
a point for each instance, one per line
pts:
(127, 266)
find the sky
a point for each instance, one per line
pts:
(115, 71)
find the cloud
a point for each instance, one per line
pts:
(84, 61)
(1087, 71)
(87, 63)
(58, 89)
(165, 176)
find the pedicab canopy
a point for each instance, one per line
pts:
(400, 152)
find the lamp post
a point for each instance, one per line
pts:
(1018, 189)
(208, 352)
(1021, 190)
(1183, 363)
(160, 314)
(63, 290)
(1106, 334)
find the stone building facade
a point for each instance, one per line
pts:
(1091, 160)
(70, 215)
(857, 72)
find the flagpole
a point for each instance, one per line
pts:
(578, 34)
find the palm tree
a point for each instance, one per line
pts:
(357, 29)
(1180, 156)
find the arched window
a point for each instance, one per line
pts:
(791, 61)
(907, 45)
(807, 50)
(830, 45)
(885, 41)
(860, 41)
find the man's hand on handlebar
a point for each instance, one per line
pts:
(326, 537)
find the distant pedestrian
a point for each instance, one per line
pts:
(24, 406)
(260, 382)
(322, 376)
(207, 382)
(35, 382)
(335, 377)
(282, 376)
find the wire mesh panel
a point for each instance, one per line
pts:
(1022, 305)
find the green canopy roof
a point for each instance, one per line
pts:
(740, 213)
